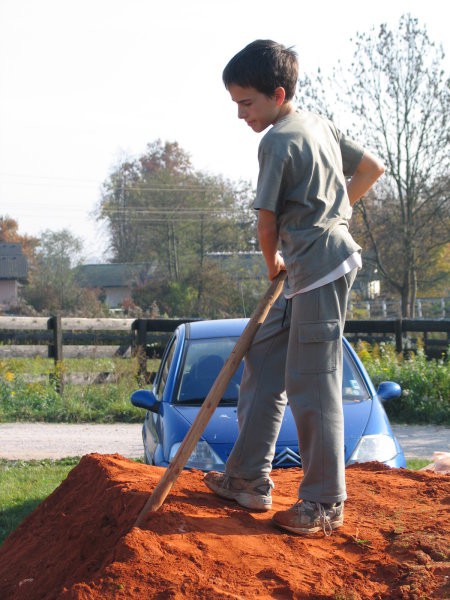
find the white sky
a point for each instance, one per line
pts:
(84, 83)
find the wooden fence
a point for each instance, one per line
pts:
(433, 334)
(59, 337)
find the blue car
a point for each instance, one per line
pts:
(191, 362)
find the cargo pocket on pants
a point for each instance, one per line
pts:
(318, 346)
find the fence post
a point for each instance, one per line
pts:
(350, 310)
(55, 351)
(419, 308)
(141, 350)
(398, 335)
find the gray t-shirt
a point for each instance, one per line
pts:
(303, 162)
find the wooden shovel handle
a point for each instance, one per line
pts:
(212, 399)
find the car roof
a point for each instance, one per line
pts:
(215, 328)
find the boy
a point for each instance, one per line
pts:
(303, 203)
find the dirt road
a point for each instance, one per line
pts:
(24, 441)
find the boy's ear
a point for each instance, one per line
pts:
(280, 95)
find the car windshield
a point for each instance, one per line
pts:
(203, 362)
(204, 359)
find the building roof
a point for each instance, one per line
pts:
(113, 275)
(13, 264)
(10, 249)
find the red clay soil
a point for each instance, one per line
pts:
(81, 541)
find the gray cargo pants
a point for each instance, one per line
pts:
(297, 355)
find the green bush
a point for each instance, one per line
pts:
(28, 394)
(35, 398)
(21, 401)
(425, 383)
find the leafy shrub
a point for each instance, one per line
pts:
(425, 383)
(20, 400)
(27, 393)
(25, 397)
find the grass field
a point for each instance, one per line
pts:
(27, 392)
(24, 485)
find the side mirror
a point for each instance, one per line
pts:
(145, 399)
(389, 390)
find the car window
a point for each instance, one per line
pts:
(164, 370)
(204, 360)
(353, 386)
(202, 364)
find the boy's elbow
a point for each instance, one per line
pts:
(371, 167)
(380, 169)
(375, 172)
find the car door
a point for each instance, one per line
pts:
(155, 420)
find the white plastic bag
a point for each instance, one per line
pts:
(440, 464)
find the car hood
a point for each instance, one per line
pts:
(222, 427)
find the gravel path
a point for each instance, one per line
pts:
(25, 441)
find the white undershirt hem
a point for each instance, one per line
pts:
(352, 262)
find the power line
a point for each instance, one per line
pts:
(168, 211)
(127, 188)
(41, 180)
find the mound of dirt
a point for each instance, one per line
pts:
(81, 543)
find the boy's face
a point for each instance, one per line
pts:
(258, 110)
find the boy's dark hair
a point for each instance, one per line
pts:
(263, 65)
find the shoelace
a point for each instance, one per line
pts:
(324, 520)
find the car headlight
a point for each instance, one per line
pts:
(203, 457)
(379, 447)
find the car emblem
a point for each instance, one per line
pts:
(287, 456)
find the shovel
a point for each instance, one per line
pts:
(212, 399)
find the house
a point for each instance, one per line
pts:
(367, 284)
(13, 273)
(115, 281)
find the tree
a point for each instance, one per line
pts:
(398, 97)
(9, 232)
(159, 209)
(438, 278)
(52, 287)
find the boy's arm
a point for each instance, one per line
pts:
(268, 242)
(369, 169)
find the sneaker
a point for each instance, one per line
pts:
(250, 493)
(310, 517)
